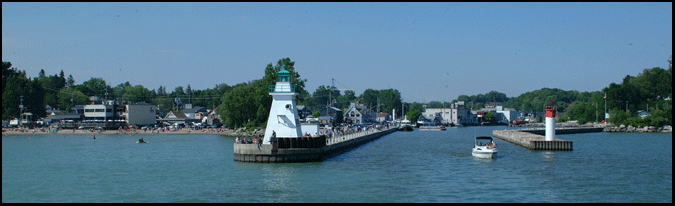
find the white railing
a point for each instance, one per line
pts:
(349, 136)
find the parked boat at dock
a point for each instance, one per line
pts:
(405, 126)
(432, 128)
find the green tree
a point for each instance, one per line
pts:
(11, 95)
(490, 117)
(413, 115)
(70, 82)
(69, 97)
(391, 99)
(582, 112)
(34, 99)
(94, 87)
(137, 93)
(237, 109)
(251, 101)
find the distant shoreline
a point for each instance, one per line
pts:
(231, 133)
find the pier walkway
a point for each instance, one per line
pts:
(311, 149)
(533, 139)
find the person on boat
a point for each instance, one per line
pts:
(141, 140)
(236, 140)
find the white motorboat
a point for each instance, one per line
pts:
(484, 147)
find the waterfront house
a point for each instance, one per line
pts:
(383, 117)
(357, 114)
(177, 117)
(194, 112)
(330, 115)
(303, 112)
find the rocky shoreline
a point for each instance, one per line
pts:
(608, 127)
(645, 129)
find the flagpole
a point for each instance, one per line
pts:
(605, 107)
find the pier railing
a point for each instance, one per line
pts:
(349, 136)
(318, 142)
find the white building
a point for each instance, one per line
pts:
(506, 115)
(456, 114)
(140, 114)
(98, 112)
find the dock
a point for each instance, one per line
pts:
(313, 149)
(532, 141)
(571, 130)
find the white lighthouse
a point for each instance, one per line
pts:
(283, 117)
(550, 122)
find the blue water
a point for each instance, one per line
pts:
(418, 166)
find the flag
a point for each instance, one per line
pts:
(605, 95)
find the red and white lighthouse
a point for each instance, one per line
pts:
(550, 122)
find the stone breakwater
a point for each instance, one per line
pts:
(647, 129)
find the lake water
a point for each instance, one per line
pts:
(418, 166)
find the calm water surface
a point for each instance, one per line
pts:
(418, 166)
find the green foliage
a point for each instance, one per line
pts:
(69, 97)
(413, 115)
(236, 109)
(617, 116)
(249, 103)
(15, 86)
(536, 100)
(582, 111)
(490, 117)
(390, 99)
(94, 87)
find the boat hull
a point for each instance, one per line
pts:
(484, 153)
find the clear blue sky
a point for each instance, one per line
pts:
(427, 51)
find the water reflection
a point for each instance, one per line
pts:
(279, 182)
(548, 155)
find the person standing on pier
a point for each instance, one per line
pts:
(274, 136)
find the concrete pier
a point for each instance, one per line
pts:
(531, 141)
(574, 130)
(315, 149)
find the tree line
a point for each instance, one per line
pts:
(650, 90)
(247, 103)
